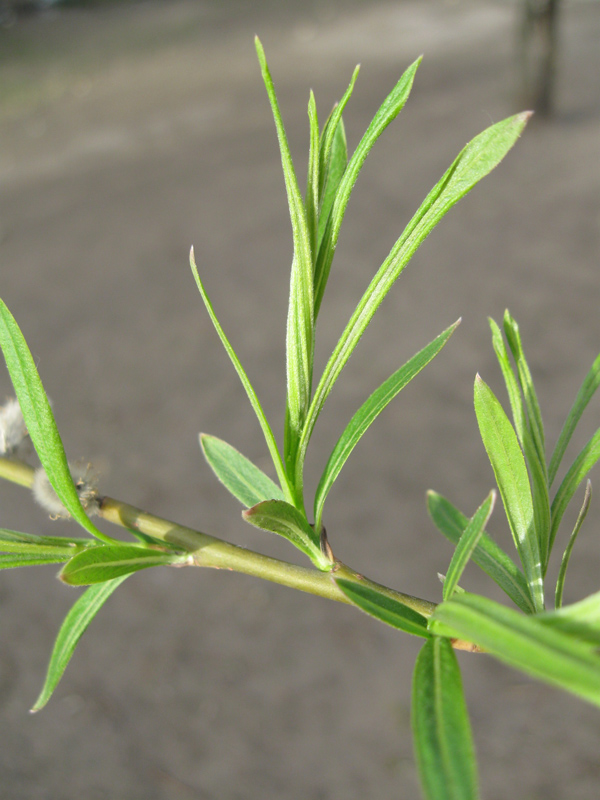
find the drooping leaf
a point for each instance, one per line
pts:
(239, 475)
(378, 603)
(475, 161)
(467, 544)
(77, 620)
(523, 642)
(441, 730)
(585, 394)
(39, 419)
(284, 519)
(501, 444)
(388, 111)
(488, 556)
(369, 411)
(252, 396)
(562, 572)
(101, 564)
(300, 322)
(577, 473)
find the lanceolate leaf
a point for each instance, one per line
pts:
(584, 462)
(585, 394)
(332, 137)
(71, 631)
(523, 642)
(532, 441)
(39, 419)
(562, 572)
(252, 396)
(282, 518)
(12, 560)
(466, 545)
(487, 554)
(312, 183)
(379, 604)
(239, 475)
(17, 541)
(500, 441)
(369, 411)
(388, 111)
(441, 731)
(300, 324)
(478, 158)
(531, 402)
(101, 564)
(336, 166)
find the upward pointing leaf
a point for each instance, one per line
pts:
(500, 441)
(238, 474)
(467, 543)
(369, 411)
(39, 419)
(300, 324)
(478, 158)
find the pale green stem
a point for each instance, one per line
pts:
(208, 551)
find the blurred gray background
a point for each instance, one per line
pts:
(129, 132)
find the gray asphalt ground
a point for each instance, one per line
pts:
(128, 134)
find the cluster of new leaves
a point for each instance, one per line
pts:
(558, 646)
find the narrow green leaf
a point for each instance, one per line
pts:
(475, 161)
(33, 559)
(239, 475)
(467, 544)
(530, 431)
(487, 554)
(101, 564)
(560, 582)
(300, 323)
(580, 619)
(584, 462)
(523, 642)
(501, 444)
(585, 394)
(369, 411)
(252, 396)
(312, 183)
(534, 414)
(77, 620)
(39, 419)
(536, 465)
(333, 136)
(14, 540)
(442, 736)
(335, 166)
(388, 111)
(284, 519)
(510, 380)
(383, 607)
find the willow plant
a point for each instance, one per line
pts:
(559, 646)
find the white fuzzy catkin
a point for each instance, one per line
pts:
(85, 483)
(12, 426)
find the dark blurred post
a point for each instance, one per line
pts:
(537, 46)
